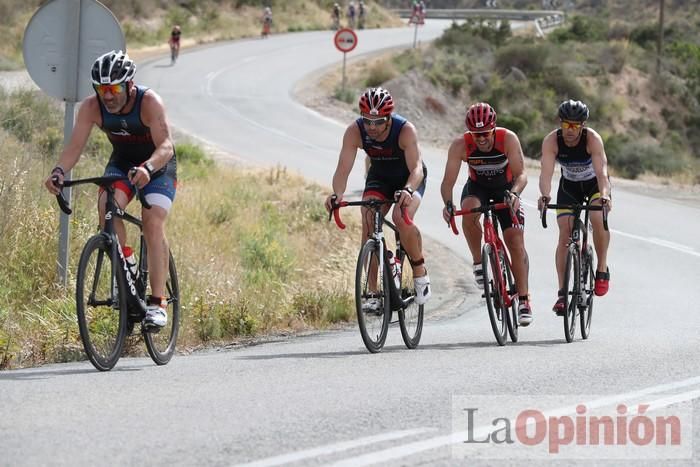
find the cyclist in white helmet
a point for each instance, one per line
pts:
(133, 118)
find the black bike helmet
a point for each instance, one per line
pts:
(573, 111)
(113, 68)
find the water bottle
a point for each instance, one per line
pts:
(394, 268)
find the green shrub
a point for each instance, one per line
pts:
(582, 29)
(380, 73)
(529, 58)
(512, 122)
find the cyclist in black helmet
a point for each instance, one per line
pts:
(134, 120)
(584, 172)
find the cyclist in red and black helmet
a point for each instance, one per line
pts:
(496, 165)
(396, 172)
(584, 173)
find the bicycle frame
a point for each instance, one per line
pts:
(135, 286)
(378, 236)
(492, 238)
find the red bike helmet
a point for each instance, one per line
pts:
(376, 101)
(480, 117)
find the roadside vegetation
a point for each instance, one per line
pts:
(649, 120)
(254, 251)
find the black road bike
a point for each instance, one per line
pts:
(111, 297)
(383, 283)
(579, 275)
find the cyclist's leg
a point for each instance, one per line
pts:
(375, 188)
(123, 193)
(473, 196)
(410, 235)
(160, 193)
(514, 238)
(601, 237)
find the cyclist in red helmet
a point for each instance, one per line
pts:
(496, 164)
(396, 172)
(584, 172)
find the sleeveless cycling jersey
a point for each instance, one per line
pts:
(386, 156)
(488, 169)
(576, 163)
(131, 140)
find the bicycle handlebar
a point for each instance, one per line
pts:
(483, 209)
(335, 212)
(99, 181)
(575, 207)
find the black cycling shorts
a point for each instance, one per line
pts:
(493, 195)
(570, 192)
(383, 186)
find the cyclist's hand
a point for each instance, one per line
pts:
(607, 202)
(332, 201)
(542, 201)
(54, 181)
(139, 177)
(403, 198)
(448, 211)
(513, 200)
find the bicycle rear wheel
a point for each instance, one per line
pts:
(161, 345)
(410, 316)
(512, 312)
(571, 292)
(372, 297)
(588, 282)
(101, 304)
(492, 293)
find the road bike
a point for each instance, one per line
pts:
(383, 282)
(110, 296)
(499, 286)
(579, 274)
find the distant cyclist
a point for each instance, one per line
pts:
(361, 14)
(397, 172)
(174, 42)
(335, 16)
(351, 15)
(496, 167)
(266, 21)
(584, 172)
(133, 118)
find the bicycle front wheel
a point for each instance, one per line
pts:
(161, 345)
(372, 297)
(571, 292)
(101, 304)
(410, 314)
(491, 265)
(588, 282)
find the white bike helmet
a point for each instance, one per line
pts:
(113, 68)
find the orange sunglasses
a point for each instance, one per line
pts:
(115, 89)
(571, 125)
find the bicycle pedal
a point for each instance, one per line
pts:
(151, 329)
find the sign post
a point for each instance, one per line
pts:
(61, 42)
(345, 40)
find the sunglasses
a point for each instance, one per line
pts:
(570, 125)
(114, 89)
(374, 121)
(481, 134)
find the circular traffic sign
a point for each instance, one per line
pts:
(62, 41)
(345, 40)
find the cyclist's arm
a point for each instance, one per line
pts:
(408, 141)
(153, 116)
(352, 141)
(549, 154)
(454, 163)
(516, 162)
(599, 159)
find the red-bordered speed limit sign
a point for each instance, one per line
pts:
(345, 40)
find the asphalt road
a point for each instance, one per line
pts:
(322, 399)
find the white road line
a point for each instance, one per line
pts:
(334, 448)
(405, 450)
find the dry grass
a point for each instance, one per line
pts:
(254, 250)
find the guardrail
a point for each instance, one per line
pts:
(514, 15)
